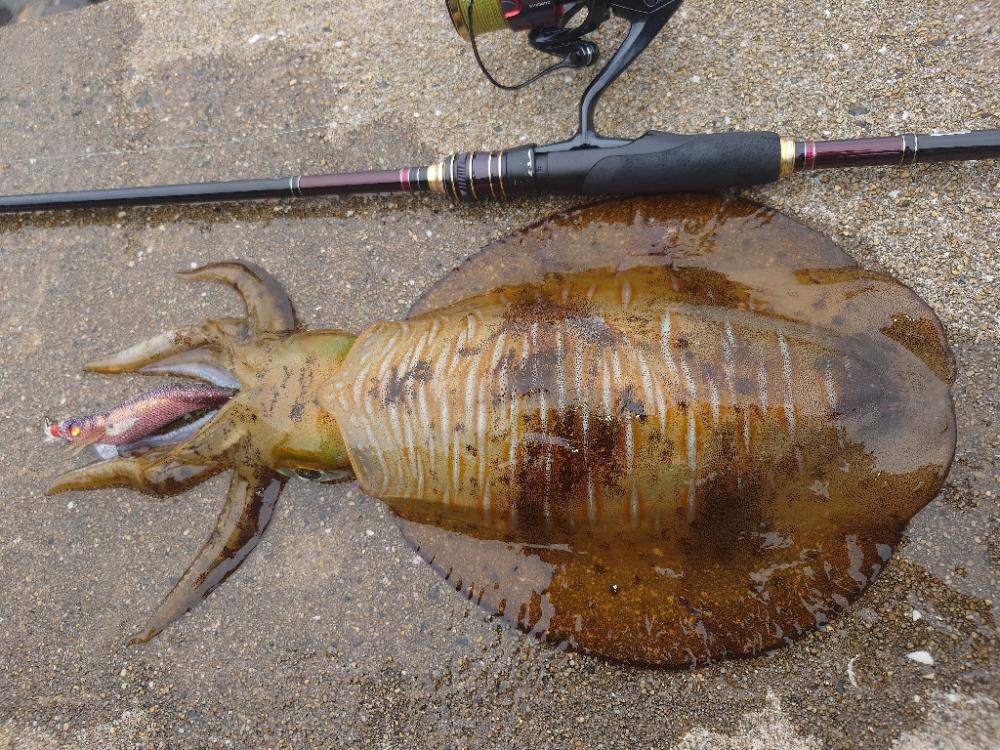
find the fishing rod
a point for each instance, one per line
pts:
(586, 164)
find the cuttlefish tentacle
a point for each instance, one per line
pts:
(269, 309)
(253, 492)
(163, 471)
(170, 438)
(150, 473)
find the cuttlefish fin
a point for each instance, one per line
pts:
(509, 580)
(269, 309)
(620, 598)
(249, 505)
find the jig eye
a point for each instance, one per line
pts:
(74, 431)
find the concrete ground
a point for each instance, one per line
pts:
(332, 634)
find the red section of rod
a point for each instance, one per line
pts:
(859, 152)
(809, 156)
(382, 181)
(898, 150)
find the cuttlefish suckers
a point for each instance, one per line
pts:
(662, 431)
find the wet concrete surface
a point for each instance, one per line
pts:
(333, 634)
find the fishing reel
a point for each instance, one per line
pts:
(561, 29)
(554, 28)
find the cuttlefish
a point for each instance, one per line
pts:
(662, 431)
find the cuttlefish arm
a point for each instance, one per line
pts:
(268, 307)
(230, 438)
(253, 492)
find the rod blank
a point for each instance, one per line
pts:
(655, 162)
(197, 192)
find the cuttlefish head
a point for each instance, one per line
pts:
(256, 413)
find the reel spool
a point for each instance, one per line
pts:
(550, 27)
(560, 29)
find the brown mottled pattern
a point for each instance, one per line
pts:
(676, 430)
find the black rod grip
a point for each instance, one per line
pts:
(663, 163)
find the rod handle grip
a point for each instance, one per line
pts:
(664, 163)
